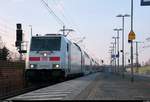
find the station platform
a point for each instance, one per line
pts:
(108, 86)
(99, 86)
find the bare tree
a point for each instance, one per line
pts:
(4, 52)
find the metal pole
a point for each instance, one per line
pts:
(31, 31)
(125, 57)
(63, 30)
(110, 58)
(115, 54)
(137, 70)
(118, 48)
(20, 52)
(113, 58)
(113, 63)
(132, 73)
(124, 64)
(123, 46)
(137, 56)
(131, 15)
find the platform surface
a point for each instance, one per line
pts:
(99, 86)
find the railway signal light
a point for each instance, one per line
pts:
(17, 43)
(19, 26)
(18, 35)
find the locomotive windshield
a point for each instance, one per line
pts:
(45, 44)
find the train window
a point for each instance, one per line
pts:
(45, 43)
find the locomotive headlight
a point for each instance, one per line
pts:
(45, 54)
(32, 66)
(56, 66)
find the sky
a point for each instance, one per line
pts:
(92, 19)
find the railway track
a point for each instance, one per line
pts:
(32, 87)
(29, 88)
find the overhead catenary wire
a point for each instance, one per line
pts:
(53, 13)
(62, 13)
(70, 21)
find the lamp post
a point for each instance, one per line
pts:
(132, 73)
(31, 29)
(113, 57)
(137, 59)
(118, 43)
(123, 17)
(113, 53)
(125, 57)
(110, 51)
(115, 38)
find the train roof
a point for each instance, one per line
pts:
(56, 35)
(47, 35)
